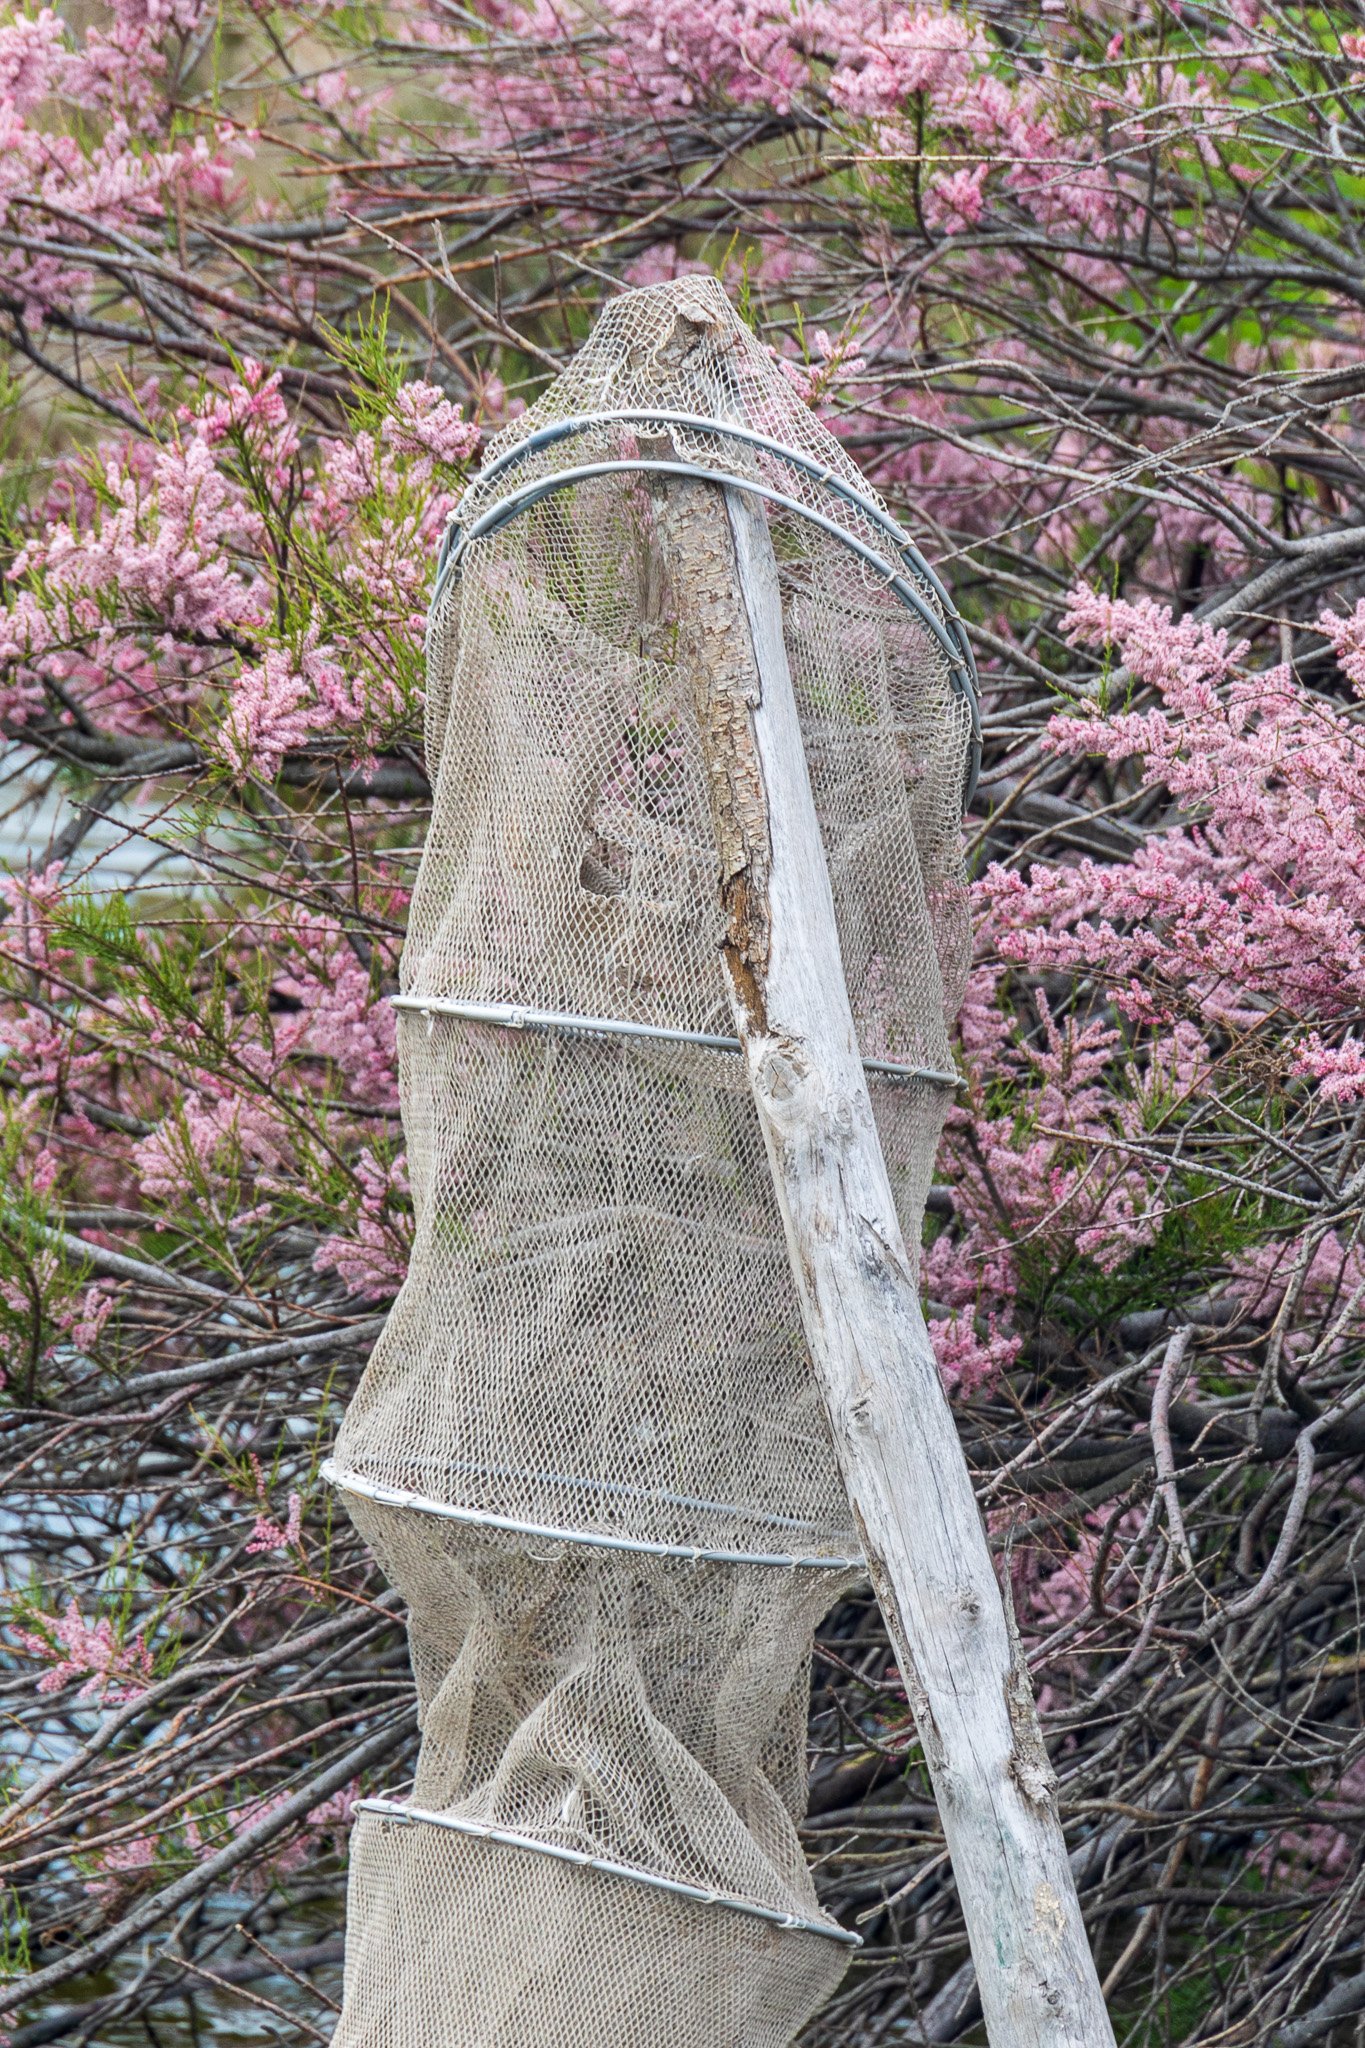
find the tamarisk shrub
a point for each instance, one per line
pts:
(1080, 288)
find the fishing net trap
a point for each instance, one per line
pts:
(589, 1449)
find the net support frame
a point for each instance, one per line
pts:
(517, 1017)
(948, 630)
(588, 1539)
(506, 1838)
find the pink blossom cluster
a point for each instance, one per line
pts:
(233, 1125)
(371, 1256)
(1053, 1184)
(424, 422)
(339, 1018)
(268, 1535)
(907, 85)
(335, 1042)
(833, 363)
(884, 69)
(1259, 900)
(122, 1866)
(328, 1821)
(114, 165)
(1248, 906)
(279, 703)
(152, 591)
(1327, 1272)
(49, 1300)
(1322, 1851)
(211, 1135)
(113, 1669)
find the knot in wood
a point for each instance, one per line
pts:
(781, 1074)
(839, 1116)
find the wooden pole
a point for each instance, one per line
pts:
(894, 1435)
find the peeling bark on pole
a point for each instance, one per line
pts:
(894, 1434)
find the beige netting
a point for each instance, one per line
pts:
(589, 1449)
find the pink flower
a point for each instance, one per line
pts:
(209, 1135)
(120, 1861)
(1340, 1068)
(342, 1021)
(32, 49)
(274, 707)
(328, 1819)
(1322, 1849)
(1054, 1579)
(112, 1670)
(956, 201)
(268, 1535)
(833, 363)
(161, 546)
(95, 1312)
(660, 263)
(925, 51)
(424, 421)
(1262, 895)
(970, 1363)
(252, 405)
(373, 1261)
(1347, 636)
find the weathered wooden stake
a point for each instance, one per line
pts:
(894, 1434)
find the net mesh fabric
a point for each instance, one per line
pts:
(589, 1448)
(453, 1939)
(646, 1711)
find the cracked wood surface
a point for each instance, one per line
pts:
(894, 1434)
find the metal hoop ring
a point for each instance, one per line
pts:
(795, 458)
(949, 631)
(408, 1815)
